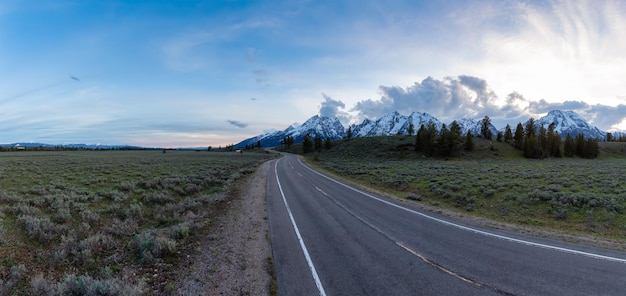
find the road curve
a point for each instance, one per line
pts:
(331, 239)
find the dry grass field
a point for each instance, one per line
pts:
(106, 222)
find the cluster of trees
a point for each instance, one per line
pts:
(447, 142)
(547, 142)
(252, 146)
(309, 145)
(611, 138)
(288, 141)
(587, 148)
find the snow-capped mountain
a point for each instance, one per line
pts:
(316, 126)
(395, 123)
(474, 126)
(392, 124)
(570, 122)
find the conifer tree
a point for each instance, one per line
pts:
(455, 139)
(519, 136)
(485, 131)
(569, 148)
(411, 129)
(442, 142)
(469, 141)
(430, 138)
(543, 142)
(328, 143)
(508, 134)
(554, 140)
(579, 142)
(419, 139)
(318, 142)
(531, 127)
(307, 144)
(349, 133)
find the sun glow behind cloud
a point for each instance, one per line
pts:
(569, 50)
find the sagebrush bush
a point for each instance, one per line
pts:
(23, 209)
(179, 231)
(41, 228)
(84, 285)
(159, 198)
(8, 198)
(150, 246)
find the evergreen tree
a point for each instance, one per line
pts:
(531, 127)
(307, 144)
(425, 141)
(519, 136)
(530, 147)
(442, 142)
(430, 138)
(579, 142)
(455, 139)
(328, 143)
(485, 131)
(609, 137)
(419, 139)
(499, 137)
(469, 141)
(349, 133)
(411, 129)
(318, 142)
(569, 148)
(554, 140)
(543, 142)
(591, 149)
(508, 134)
(258, 144)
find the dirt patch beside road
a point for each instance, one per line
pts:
(235, 257)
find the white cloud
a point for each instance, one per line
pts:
(563, 51)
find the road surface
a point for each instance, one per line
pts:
(331, 239)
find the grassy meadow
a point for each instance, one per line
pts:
(106, 222)
(575, 195)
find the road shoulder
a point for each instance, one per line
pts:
(233, 258)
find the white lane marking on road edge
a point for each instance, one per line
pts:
(520, 241)
(318, 283)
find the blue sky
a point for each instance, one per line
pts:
(199, 73)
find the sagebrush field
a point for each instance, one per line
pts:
(105, 222)
(585, 196)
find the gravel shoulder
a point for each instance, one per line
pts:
(235, 256)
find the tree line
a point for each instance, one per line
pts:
(534, 142)
(309, 144)
(539, 143)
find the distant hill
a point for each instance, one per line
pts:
(395, 123)
(69, 146)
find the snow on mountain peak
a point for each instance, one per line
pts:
(395, 123)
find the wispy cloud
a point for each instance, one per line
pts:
(238, 124)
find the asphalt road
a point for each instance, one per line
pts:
(331, 239)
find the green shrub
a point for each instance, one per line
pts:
(150, 245)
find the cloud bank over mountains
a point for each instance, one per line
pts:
(467, 97)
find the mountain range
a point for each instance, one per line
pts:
(395, 123)
(70, 146)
